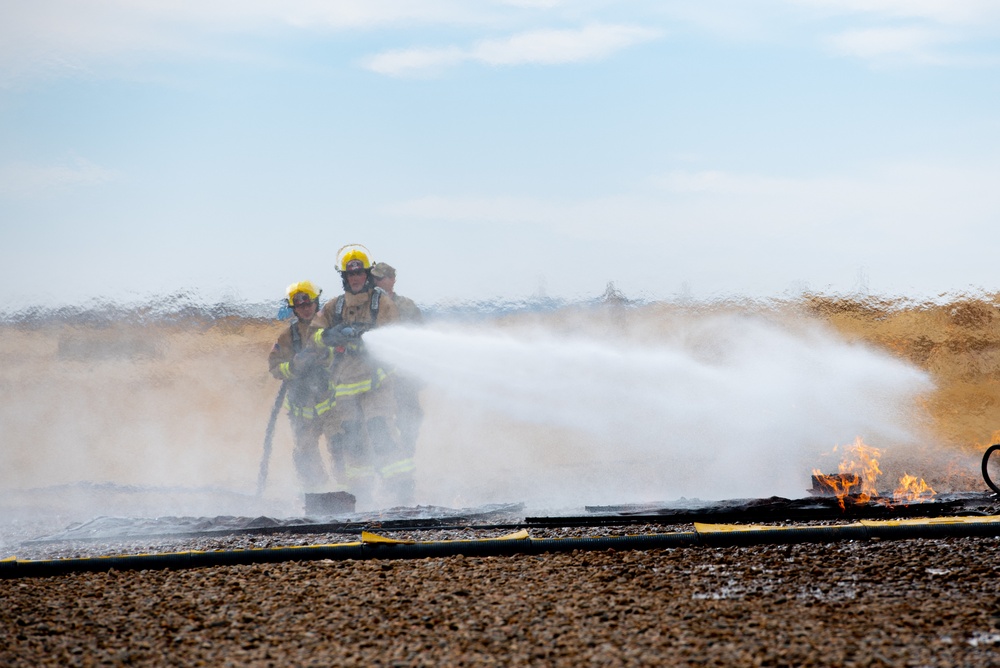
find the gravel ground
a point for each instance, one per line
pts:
(872, 603)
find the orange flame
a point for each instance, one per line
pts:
(859, 472)
(839, 485)
(912, 489)
(862, 460)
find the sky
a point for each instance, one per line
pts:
(498, 148)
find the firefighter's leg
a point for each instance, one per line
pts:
(305, 454)
(394, 466)
(335, 448)
(350, 446)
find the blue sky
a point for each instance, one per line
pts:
(499, 149)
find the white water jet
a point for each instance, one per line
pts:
(722, 407)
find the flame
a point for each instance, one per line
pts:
(859, 471)
(862, 460)
(839, 485)
(912, 489)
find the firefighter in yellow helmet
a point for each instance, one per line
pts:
(365, 400)
(296, 360)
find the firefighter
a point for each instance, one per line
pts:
(384, 276)
(365, 398)
(409, 414)
(296, 360)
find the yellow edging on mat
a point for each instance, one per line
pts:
(923, 521)
(932, 520)
(723, 528)
(369, 537)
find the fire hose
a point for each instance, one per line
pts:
(372, 546)
(269, 437)
(986, 473)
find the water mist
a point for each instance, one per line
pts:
(728, 406)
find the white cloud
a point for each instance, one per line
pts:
(26, 180)
(407, 62)
(884, 31)
(909, 44)
(55, 35)
(76, 35)
(938, 11)
(345, 14)
(914, 32)
(533, 4)
(561, 46)
(546, 47)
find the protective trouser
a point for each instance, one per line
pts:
(366, 410)
(309, 466)
(351, 445)
(394, 467)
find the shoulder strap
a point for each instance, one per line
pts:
(338, 311)
(376, 296)
(296, 336)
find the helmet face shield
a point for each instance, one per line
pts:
(355, 255)
(295, 292)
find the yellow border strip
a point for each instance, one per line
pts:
(933, 520)
(921, 521)
(368, 537)
(728, 528)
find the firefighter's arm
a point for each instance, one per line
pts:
(284, 367)
(342, 335)
(280, 357)
(285, 364)
(324, 354)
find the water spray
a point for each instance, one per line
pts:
(719, 407)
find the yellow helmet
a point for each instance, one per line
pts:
(353, 252)
(302, 286)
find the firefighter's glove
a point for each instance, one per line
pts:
(304, 359)
(341, 335)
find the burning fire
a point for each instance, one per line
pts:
(858, 473)
(912, 489)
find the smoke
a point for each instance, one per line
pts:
(724, 406)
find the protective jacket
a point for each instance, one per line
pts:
(408, 310)
(310, 394)
(353, 370)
